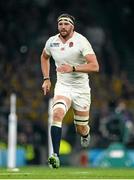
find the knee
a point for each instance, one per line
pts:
(58, 114)
(82, 129)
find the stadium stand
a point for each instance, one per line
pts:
(24, 27)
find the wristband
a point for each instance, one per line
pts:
(46, 78)
(74, 68)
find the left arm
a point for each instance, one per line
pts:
(91, 66)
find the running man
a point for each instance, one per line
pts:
(74, 59)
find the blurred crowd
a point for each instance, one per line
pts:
(25, 25)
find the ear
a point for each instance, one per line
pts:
(72, 27)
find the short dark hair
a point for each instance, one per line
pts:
(67, 16)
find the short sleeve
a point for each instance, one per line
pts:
(86, 47)
(47, 47)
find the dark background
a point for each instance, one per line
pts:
(25, 25)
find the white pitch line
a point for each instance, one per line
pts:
(84, 172)
(14, 173)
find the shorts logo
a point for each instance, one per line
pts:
(71, 44)
(85, 107)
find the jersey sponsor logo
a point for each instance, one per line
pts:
(62, 49)
(71, 44)
(54, 44)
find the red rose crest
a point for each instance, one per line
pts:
(71, 44)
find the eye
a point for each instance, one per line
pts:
(60, 24)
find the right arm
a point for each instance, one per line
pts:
(45, 67)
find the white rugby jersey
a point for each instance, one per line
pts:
(72, 52)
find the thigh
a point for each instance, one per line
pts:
(62, 95)
(81, 118)
(81, 106)
(62, 90)
(60, 106)
(62, 99)
(81, 113)
(81, 100)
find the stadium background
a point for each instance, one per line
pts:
(25, 25)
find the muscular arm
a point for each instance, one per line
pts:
(45, 64)
(91, 66)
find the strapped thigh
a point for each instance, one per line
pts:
(60, 103)
(81, 120)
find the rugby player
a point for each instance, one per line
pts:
(74, 59)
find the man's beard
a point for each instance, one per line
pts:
(64, 35)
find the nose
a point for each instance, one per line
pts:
(62, 26)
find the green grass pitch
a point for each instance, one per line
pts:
(40, 172)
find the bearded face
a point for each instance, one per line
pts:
(65, 28)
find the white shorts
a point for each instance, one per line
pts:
(79, 95)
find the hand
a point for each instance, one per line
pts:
(64, 68)
(46, 86)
